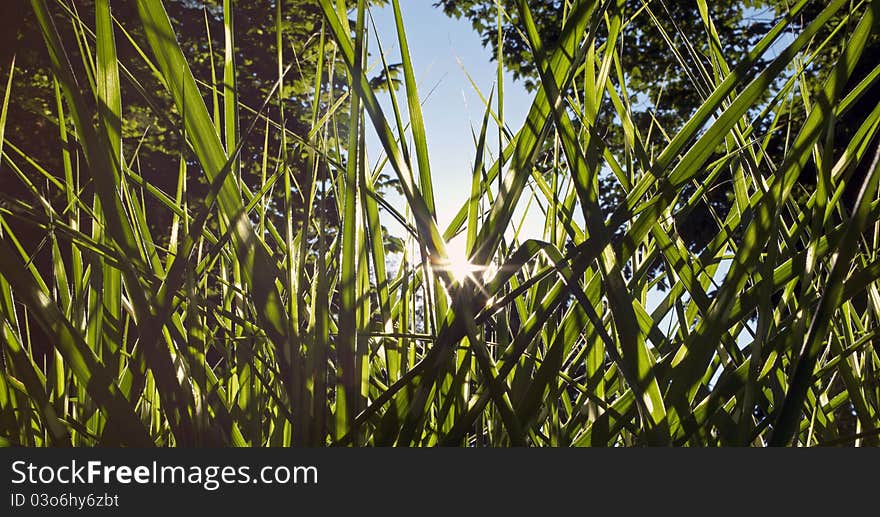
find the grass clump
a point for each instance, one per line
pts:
(266, 312)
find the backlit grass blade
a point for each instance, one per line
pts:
(348, 391)
(4, 110)
(415, 113)
(260, 272)
(638, 365)
(758, 231)
(424, 222)
(123, 424)
(802, 376)
(104, 170)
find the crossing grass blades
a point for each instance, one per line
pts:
(241, 326)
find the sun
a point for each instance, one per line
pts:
(461, 269)
(457, 263)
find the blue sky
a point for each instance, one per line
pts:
(442, 48)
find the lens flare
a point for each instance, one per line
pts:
(457, 264)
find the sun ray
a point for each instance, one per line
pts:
(458, 265)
